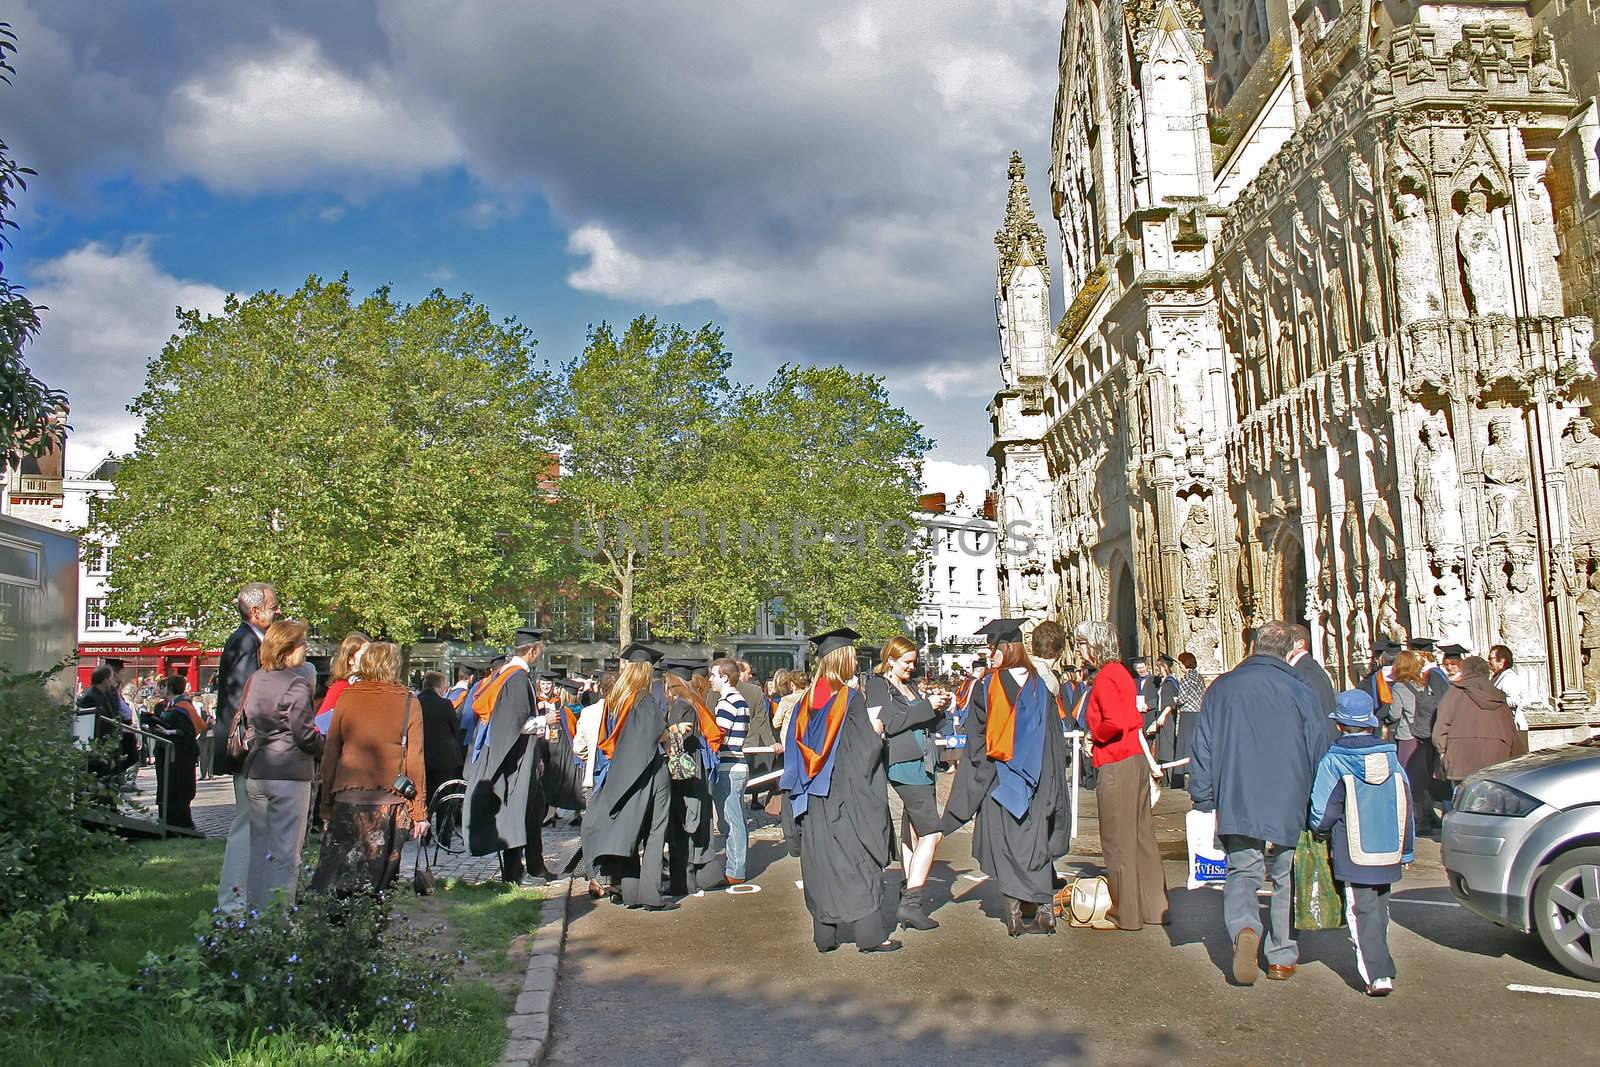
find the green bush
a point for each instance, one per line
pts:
(47, 853)
(327, 967)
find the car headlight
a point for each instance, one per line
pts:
(1495, 798)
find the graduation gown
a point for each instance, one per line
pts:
(845, 837)
(691, 849)
(620, 806)
(1019, 853)
(501, 771)
(1164, 745)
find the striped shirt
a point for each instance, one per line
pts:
(733, 718)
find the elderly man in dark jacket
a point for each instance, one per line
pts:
(1261, 734)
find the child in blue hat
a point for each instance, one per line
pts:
(1361, 802)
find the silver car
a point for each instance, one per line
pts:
(1522, 849)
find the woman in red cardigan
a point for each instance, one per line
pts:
(1127, 830)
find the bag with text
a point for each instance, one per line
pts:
(1208, 864)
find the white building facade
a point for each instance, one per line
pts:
(960, 588)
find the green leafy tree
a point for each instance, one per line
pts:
(696, 501)
(30, 411)
(639, 415)
(381, 463)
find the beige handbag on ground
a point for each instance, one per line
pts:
(1088, 903)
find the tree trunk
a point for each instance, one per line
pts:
(625, 606)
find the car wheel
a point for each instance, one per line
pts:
(1566, 911)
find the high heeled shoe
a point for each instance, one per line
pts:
(1014, 925)
(911, 913)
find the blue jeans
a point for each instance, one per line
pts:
(728, 796)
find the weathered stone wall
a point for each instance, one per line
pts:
(1343, 374)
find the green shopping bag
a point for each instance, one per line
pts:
(1316, 898)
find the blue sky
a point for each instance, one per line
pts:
(821, 180)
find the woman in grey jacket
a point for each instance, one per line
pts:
(285, 745)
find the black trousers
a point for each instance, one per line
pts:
(175, 789)
(514, 862)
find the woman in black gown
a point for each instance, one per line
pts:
(909, 719)
(692, 743)
(835, 778)
(1011, 780)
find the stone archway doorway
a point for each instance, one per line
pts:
(1125, 611)
(1292, 581)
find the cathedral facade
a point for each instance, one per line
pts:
(1328, 355)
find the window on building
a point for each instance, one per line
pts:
(980, 581)
(558, 620)
(609, 623)
(952, 580)
(98, 560)
(586, 620)
(949, 540)
(94, 613)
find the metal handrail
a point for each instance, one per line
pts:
(166, 757)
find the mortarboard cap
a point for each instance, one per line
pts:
(114, 663)
(1420, 644)
(1139, 661)
(683, 668)
(1003, 631)
(498, 661)
(528, 635)
(568, 684)
(1168, 660)
(638, 653)
(476, 666)
(843, 637)
(1453, 650)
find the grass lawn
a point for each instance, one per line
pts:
(158, 890)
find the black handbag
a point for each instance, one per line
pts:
(423, 880)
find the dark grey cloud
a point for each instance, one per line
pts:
(828, 175)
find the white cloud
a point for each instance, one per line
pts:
(109, 312)
(949, 381)
(951, 478)
(293, 118)
(440, 274)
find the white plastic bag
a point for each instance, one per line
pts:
(1208, 864)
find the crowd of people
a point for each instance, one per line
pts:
(656, 758)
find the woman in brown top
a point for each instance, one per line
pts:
(1475, 728)
(284, 746)
(368, 819)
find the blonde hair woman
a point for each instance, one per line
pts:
(284, 747)
(909, 719)
(376, 738)
(625, 826)
(834, 775)
(341, 672)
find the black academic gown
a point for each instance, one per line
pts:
(691, 850)
(1164, 745)
(1018, 854)
(504, 793)
(625, 826)
(845, 837)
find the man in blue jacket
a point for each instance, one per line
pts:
(1361, 802)
(1260, 736)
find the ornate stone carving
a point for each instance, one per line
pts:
(1485, 276)
(1547, 75)
(1588, 609)
(1582, 452)
(1438, 486)
(1416, 258)
(1020, 239)
(1505, 482)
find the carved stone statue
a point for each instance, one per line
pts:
(1286, 360)
(1521, 617)
(1388, 622)
(1583, 479)
(1136, 134)
(1589, 633)
(1199, 541)
(1416, 259)
(1546, 75)
(1505, 482)
(1484, 273)
(1464, 71)
(1453, 619)
(1439, 490)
